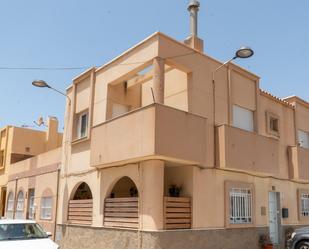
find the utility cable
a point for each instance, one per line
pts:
(85, 67)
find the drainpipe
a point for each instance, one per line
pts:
(15, 198)
(57, 196)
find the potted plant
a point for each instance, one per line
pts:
(265, 242)
(133, 192)
(174, 190)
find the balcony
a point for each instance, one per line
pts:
(298, 160)
(246, 151)
(152, 132)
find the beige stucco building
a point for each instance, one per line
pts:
(30, 179)
(161, 152)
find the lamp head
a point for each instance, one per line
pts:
(244, 52)
(40, 83)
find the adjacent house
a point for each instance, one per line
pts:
(31, 173)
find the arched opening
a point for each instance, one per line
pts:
(83, 192)
(80, 205)
(124, 187)
(19, 214)
(121, 206)
(10, 206)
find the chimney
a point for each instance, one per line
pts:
(52, 133)
(193, 40)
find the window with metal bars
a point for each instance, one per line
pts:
(240, 206)
(305, 204)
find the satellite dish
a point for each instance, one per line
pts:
(40, 122)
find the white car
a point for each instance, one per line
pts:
(24, 234)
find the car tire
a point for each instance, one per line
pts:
(303, 245)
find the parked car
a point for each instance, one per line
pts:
(25, 234)
(299, 239)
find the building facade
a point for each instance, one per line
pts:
(31, 173)
(162, 151)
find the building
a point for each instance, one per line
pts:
(161, 152)
(31, 173)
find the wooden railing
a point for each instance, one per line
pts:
(121, 212)
(177, 213)
(80, 212)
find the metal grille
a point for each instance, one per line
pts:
(240, 206)
(305, 204)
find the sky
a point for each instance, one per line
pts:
(79, 33)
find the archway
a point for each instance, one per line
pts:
(124, 187)
(83, 192)
(121, 206)
(80, 205)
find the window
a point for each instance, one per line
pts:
(272, 124)
(240, 206)
(46, 208)
(304, 204)
(10, 206)
(239, 199)
(303, 139)
(1, 158)
(82, 126)
(243, 118)
(20, 206)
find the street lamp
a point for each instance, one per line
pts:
(241, 53)
(42, 83)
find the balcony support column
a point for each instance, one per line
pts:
(158, 79)
(151, 191)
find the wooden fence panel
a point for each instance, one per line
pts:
(177, 213)
(80, 212)
(121, 212)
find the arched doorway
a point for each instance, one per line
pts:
(121, 206)
(80, 205)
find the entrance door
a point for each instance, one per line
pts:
(30, 212)
(274, 216)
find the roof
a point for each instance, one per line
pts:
(11, 221)
(275, 98)
(296, 99)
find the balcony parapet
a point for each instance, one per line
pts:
(298, 162)
(152, 132)
(246, 151)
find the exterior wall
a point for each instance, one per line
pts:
(130, 239)
(209, 189)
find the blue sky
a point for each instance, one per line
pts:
(77, 33)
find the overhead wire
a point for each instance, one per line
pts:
(84, 67)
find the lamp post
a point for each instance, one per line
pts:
(241, 53)
(42, 83)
